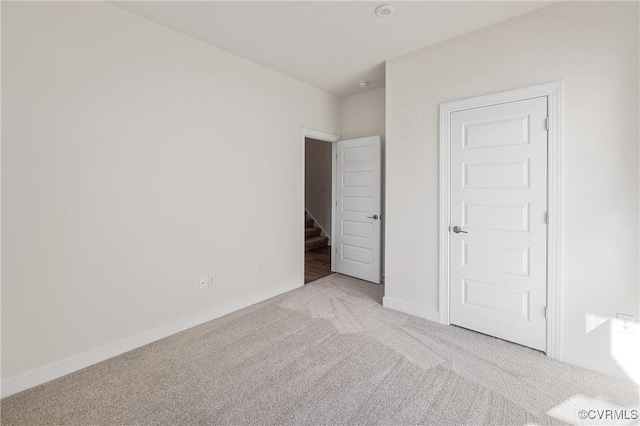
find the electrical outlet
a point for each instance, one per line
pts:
(261, 269)
(202, 282)
(212, 282)
(626, 323)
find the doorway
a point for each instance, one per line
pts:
(500, 215)
(317, 260)
(354, 233)
(318, 214)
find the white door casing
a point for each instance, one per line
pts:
(358, 218)
(333, 139)
(555, 210)
(499, 200)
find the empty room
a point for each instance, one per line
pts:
(320, 213)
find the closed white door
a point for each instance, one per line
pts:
(498, 234)
(358, 217)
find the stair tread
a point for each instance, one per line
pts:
(311, 232)
(318, 238)
(313, 243)
(312, 235)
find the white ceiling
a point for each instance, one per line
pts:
(329, 45)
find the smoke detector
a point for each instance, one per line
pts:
(363, 83)
(384, 10)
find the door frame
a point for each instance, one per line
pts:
(555, 191)
(325, 137)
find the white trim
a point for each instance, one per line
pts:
(77, 362)
(334, 199)
(410, 308)
(323, 232)
(327, 137)
(555, 190)
(555, 228)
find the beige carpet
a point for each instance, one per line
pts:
(327, 353)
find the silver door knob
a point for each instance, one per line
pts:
(458, 230)
(374, 217)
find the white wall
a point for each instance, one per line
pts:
(318, 183)
(364, 115)
(593, 48)
(136, 159)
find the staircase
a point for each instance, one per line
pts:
(312, 238)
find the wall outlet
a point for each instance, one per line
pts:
(203, 282)
(261, 269)
(626, 323)
(212, 282)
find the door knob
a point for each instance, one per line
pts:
(458, 230)
(374, 217)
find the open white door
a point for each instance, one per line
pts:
(358, 214)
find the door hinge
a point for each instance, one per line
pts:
(545, 311)
(546, 123)
(336, 203)
(546, 218)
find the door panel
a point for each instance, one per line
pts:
(499, 198)
(496, 217)
(358, 195)
(496, 175)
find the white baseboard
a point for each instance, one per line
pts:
(77, 362)
(599, 365)
(410, 308)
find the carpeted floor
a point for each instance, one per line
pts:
(327, 353)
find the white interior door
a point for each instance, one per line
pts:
(498, 234)
(358, 215)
